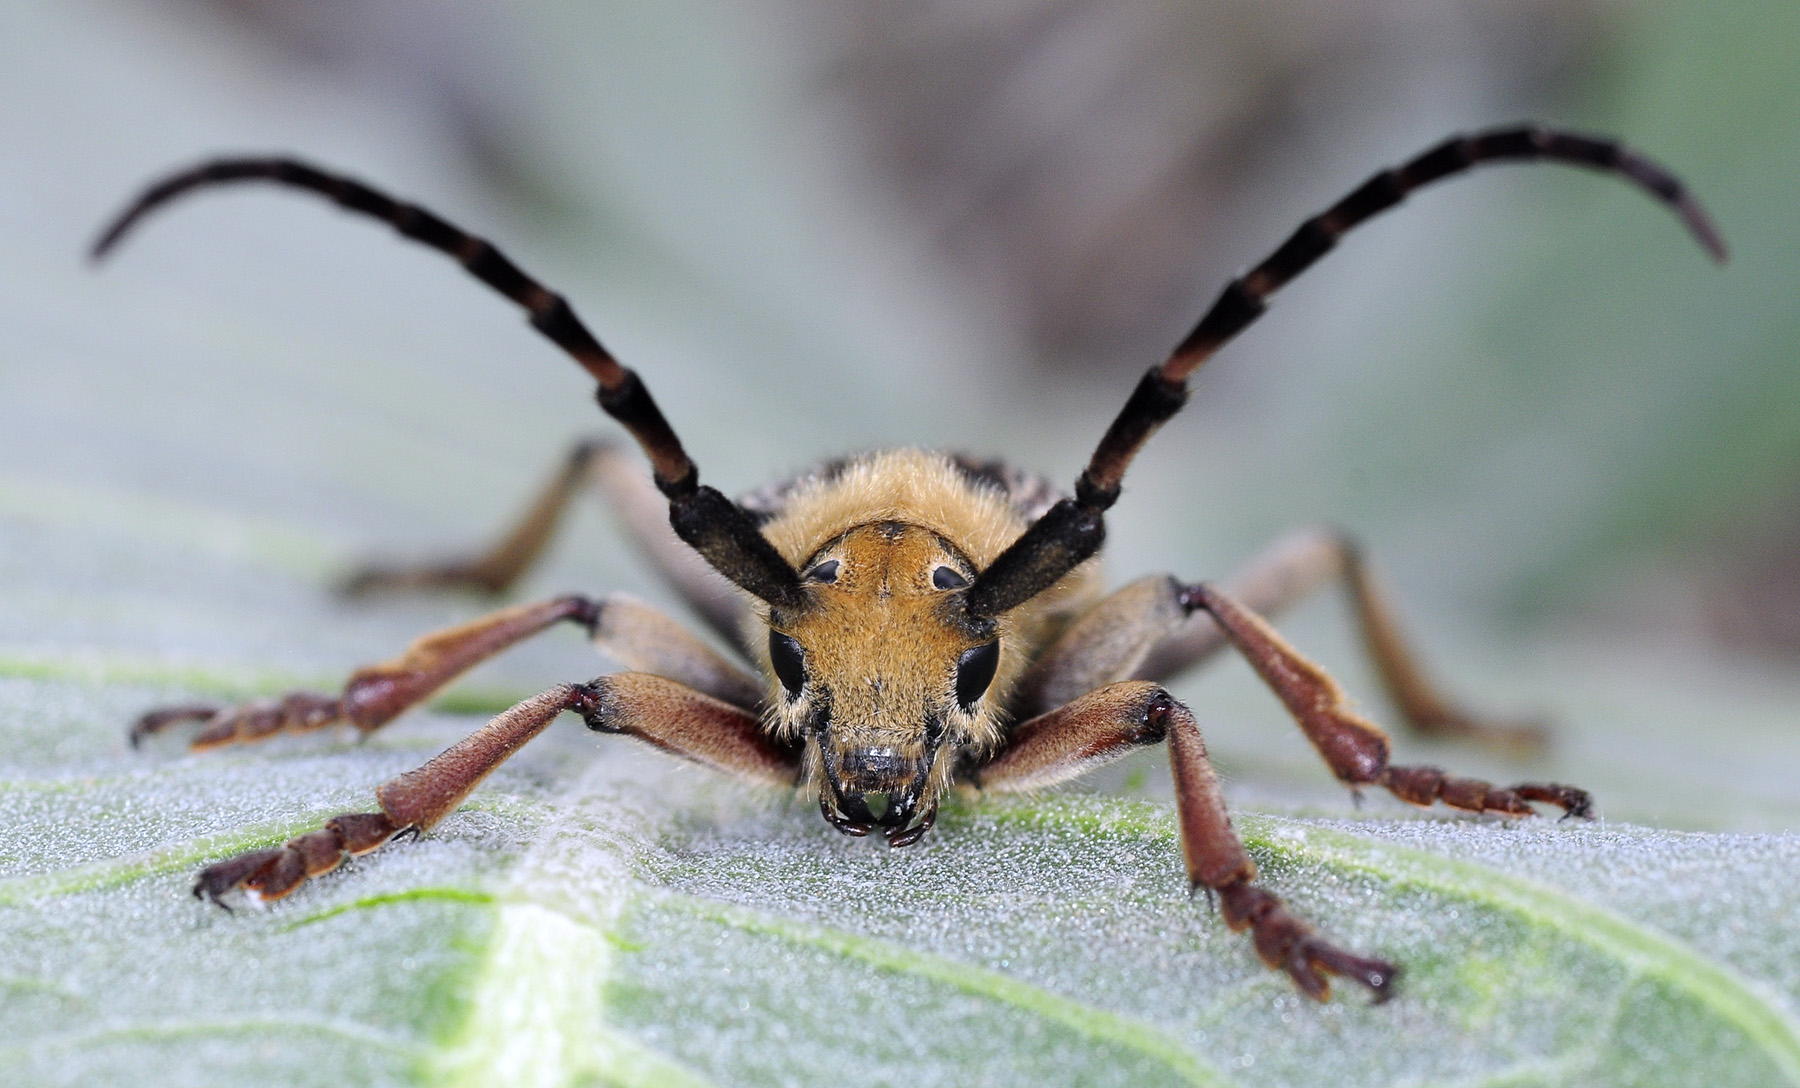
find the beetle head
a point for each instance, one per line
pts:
(884, 676)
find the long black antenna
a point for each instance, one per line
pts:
(1074, 529)
(721, 531)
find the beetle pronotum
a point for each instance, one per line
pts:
(921, 620)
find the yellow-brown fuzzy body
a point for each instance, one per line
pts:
(881, 642)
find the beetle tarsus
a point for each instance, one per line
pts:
(1377, 976)
(1576, 803)
(162, 718)
(275, 871)
(296, 712)
(1287, 944)
(221, 878)
(1423, 786)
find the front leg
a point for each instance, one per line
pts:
(653, 709)
(1107, 723)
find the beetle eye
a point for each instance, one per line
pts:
(789, 662)
(825, 572)
(948, 578)
(975, 671)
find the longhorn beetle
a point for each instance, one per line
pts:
(920, 620)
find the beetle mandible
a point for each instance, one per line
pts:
(921, 620)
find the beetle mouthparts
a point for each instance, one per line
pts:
(853, 816)
(838, 820)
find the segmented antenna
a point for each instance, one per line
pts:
(1073, 530)
(721, 531)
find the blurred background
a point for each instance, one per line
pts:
(1572, 444)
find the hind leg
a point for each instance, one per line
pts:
(642, 510)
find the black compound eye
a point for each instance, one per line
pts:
(948, 578)
(789, 661)
(975, 671)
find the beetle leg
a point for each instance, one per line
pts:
(378, 694)
(295, 712)
(645, 640)
(1149, 630)
(1302, 564)
(633, 633)
(1082, 735)
(495, 569)
(659, 711)
(272, 873)
(1355, 748)
(1107, 723)
(641, 509)
(1105, 644)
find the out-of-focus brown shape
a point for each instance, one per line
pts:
(1755, 602)
(1091, 169)
(1081, 162)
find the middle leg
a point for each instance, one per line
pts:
(1304, 563)
(1120, 638)
(632, 633)
(643, 513)
(1355, 748)
(1148, 631)
(378, 694)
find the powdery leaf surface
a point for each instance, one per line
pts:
(622, 919)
